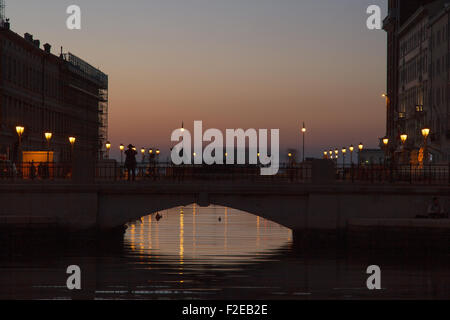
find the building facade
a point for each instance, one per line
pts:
(42, 92)
(417, 79)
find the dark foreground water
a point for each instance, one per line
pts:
(213, 253)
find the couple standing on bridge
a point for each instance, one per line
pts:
(130, 162)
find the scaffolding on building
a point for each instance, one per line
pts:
(85, 70)
(2, 11)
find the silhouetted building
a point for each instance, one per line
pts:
(47, 93)
(416, 68)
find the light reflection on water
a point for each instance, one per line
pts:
(212, 253)
(213, 235)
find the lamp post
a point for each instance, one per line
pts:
(386, 149)
(360, 148)
(331, 154)
(403, 138)
(121, 148)
(157, 155)
(108, 147)
(344, 151)
(143, 154)
(150, 155)
(48, 137)
(303, 134)
(20, 130)
(425, 134)
(72, 143)
(336, 153)
(351, 148)
(325, 155)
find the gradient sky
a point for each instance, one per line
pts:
(231, 63)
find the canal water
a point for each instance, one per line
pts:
(213, 253)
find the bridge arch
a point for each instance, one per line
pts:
(115, 210)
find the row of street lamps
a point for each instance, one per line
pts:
(151, 151)
(404, 137)
(48, 136)
(335, 154)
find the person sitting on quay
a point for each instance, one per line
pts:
(436, 210)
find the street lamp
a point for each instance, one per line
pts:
(351, 148)
(425, 133)
(360, 148)
(20, 130)
(72, 143)
(121, 148)
(48, 137)
(403, 138)
(325, 155)
(143, 154)
(108, 147)
(303, 134)
(331, 154)
(344, 151)
(386, 148)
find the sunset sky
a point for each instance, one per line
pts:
(231, 63)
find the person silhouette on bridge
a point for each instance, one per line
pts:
(130, 162)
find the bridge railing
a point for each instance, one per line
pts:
(430, 174)
(222, 173)
(35, 171)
